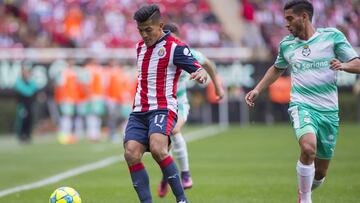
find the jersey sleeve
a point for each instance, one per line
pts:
(343, 50)
(280, 61)
(198, 56)
(184, 59)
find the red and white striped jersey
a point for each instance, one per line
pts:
(159, 67)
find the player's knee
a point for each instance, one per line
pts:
(132, 156)
(308, 150)
(159, 153)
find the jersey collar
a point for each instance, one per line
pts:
(167, 34)
(316, 33)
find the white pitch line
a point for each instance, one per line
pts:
(189, 137)
(61, 176)
(204, 133)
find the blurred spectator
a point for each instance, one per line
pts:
(96, 24)
(252, 37)
(100, 24)
(26, 89)
(342, 14)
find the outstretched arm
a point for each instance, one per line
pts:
(270, 76)
(352, 66)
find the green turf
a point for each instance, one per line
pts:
(250, 164)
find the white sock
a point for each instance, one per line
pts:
(79, 127)
(93, 124)
(317, 183)
(180, 151)
(65, 125)
(305, 174)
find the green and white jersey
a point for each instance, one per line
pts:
(181, 86)
(313, 82)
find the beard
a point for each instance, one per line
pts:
(299, 29)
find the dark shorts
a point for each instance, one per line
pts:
(142, 124)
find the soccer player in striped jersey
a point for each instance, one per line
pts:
(179, 147)
(314, 57)
(160, 60)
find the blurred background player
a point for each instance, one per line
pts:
(179, 147)
(66, 95)
(279, 95)
(82, 102)
(120, 91)
(314, 56)
(96, 104)
(26, 89)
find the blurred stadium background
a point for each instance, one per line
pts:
(240, 36)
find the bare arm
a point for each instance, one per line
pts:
(352, 66)
(209, 66)
(200, 76)
(270, 76)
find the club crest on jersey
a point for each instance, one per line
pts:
(306, 51)
(162, 52)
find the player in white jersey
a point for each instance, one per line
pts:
(179, 147)
(314, 57)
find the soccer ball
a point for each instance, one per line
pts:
(65, 195)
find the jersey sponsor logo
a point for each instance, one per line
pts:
(297, 66)
(306, 50)
(162, 52)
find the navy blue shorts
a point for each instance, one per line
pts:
(142, 124)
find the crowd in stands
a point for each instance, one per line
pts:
(98, 23)
(268, 15)
(109, 24)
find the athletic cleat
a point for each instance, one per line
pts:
(187, 183)
(186, 180)
(163, 189)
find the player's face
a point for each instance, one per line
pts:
(150, 31)
(294, 23)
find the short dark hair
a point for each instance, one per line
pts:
(148, 12)
(300, 6)
(172, 27)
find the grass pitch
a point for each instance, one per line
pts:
(253, 164)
